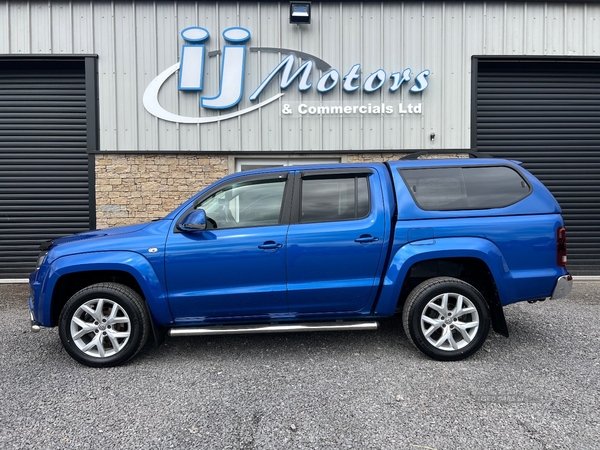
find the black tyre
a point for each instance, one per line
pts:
(104, 325)
(446, 318)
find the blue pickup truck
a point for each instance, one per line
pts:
(444, 242)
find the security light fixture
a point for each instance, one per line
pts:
(300, 12)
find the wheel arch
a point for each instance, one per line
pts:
(75, 272)
(476, 261)
(71, 283)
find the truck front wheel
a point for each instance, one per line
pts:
(446, 318)
(104, 325)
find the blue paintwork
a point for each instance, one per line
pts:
(124, 249)
(295, 271)
(130, 262)
(224, 273)
(328, 271)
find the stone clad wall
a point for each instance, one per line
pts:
(373, 157)
(137, 188)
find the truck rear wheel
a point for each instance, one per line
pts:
(446, 318)
(104, 325)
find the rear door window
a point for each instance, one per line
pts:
(336, 198)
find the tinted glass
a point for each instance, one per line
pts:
(494, 187)
(454, 188)
(246, 204)
(334, 199)
(363, 197)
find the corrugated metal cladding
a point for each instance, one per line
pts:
(546, 113)
(137, 40)
(44, 173)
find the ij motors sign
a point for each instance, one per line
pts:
(191, 73)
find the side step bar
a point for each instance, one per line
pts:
(273, 328)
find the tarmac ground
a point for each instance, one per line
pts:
(537, 389)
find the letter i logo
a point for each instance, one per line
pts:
(233, 64)
(191, 71)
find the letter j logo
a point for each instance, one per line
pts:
(191, 71)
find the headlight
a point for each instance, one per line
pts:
(41, 258)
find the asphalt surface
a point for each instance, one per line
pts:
(362, 390)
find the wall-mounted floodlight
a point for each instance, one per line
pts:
(299, 12)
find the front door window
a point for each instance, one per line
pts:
(245, 204)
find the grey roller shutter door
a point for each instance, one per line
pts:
(44, 169)
(546, 113)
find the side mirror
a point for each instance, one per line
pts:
(194, 221)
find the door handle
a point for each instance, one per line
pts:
(366, 238)
(270, 245)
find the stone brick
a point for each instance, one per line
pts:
(134, 188)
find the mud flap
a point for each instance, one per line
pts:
(498, 320)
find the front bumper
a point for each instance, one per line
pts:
(33, 287)
(563, 287)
